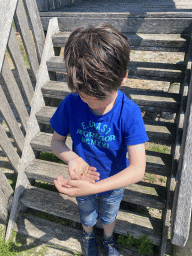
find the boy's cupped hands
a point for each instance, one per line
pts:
(79, 170)
(74, 188)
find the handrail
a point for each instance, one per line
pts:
(182, 204)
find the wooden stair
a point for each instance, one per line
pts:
(144, 194)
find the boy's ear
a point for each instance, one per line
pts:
(124, 79)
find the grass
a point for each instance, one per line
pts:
(158, 148)
(50, 157)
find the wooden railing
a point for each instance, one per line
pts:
(181, 214)
(20, 26)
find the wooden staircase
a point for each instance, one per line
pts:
(149, 32)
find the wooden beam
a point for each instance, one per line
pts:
(6, 17)
(183, 191)
(26, 35)
(33, 127)
(36, 26)
(5, 193)
(8, 148)
(15, 53)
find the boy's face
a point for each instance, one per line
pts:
(99, 106)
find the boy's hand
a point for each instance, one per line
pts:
(74, 188)
(79, 169)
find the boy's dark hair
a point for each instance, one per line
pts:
(96, 58)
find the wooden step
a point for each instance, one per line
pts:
(157, 163)
(60, 237)
(141, 42)
(146, 99)
(162, 132)
(142, 193)
(145, 23)
(66, 207)
(137, 70)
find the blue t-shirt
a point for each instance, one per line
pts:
(101, 140)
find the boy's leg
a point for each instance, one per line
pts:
(109, 206)
(88, 211)
(108, 230)
(88, 230)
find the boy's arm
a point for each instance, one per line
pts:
(132, 174)
(78, 168)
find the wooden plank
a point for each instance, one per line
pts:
(33, 127)
(11, 121)
(8, 149)
(25, 33)
(59, 236)
(5, 193)
(14, 51)
(15, 94)
(148, 195)
(183, 194)
(148, 42)
(42, 142)
(137, 70)
(146, 99)
(6, 16)
(66, 207)
(126, 15)
(162, 132)
(149, 23)
(157, 163)
(36, 26)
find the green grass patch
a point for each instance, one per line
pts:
(142, 244)
(50, 157)
(158, 148)
(151, 177)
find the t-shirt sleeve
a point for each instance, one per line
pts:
(60, 119)
(134, 131)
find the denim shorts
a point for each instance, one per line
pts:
(99, 207)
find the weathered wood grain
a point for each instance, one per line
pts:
(66, 207)
(36, 26)
(156, 162)
(22, 21)
(142, 193)
(15, 94)
(8, 148)
(5, 193)
(58, 235)
(137, 70)
(6, 16)
(146, 99)
(149, 23)
(33, 127)
(14, 51)
(141, 42)
(11, 121)
(42, 142)
(183, 194)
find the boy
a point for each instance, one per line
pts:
(104, 124)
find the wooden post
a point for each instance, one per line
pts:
(187, 249)
(183, 192)
(5, 194)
